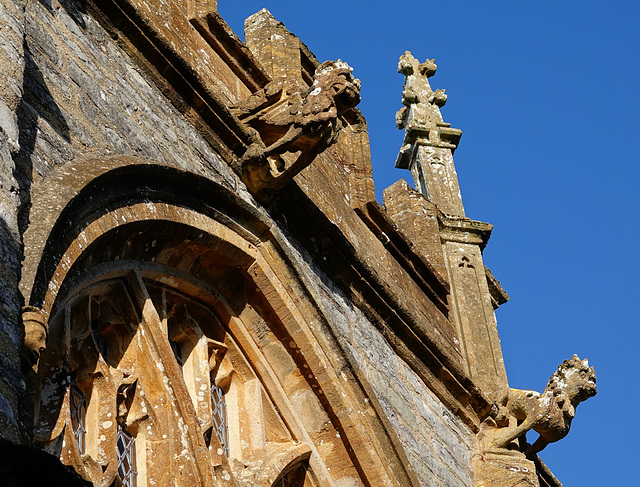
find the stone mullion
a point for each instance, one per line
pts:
(279, 397)
(152, 325)
(196, 373)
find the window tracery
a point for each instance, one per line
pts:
(113, 297)
(139, 398)
(296, 475)
(177, 352)
(78, 411)
(220, 423)
(123, 409)
(100, 341)
(126, 457)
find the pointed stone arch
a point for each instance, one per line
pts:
(158, 231)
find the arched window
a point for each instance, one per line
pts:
(171, 307)
(146, 357)
(220, 424)
(126, 457)
(78, 412)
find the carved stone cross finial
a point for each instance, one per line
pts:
(421, 103)
(429, 142)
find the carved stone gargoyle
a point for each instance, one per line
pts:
(282, 118)
(548, 413)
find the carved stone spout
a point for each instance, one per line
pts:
(548, 413)
(284, 119)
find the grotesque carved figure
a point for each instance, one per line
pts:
(282, 118)
(35, 337)
(551, 412)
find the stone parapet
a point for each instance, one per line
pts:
(453, 245)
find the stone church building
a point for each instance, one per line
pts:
(199, 288)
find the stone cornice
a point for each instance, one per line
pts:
(464, 230)
(420, 269)
(161, 54)
(498, 295)
(386, 306)
(230, 48)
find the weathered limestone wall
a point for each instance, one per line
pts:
(78, 95)
(437, 444)
(11, 71)
(84, 97)
(68, 91)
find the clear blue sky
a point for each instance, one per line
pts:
(545, 94)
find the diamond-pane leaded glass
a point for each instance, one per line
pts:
(220, 417)
(78, 407)
(126, 457)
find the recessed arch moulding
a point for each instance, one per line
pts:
(159, 286)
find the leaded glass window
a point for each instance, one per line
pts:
(220, 417)
(126, 457)
(78, 409)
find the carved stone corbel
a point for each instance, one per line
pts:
(35, 337)
(285, 119)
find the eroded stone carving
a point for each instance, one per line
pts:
(429, 142)
(548, 413)
(283, 118)
(35, 337)
(421, 103)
